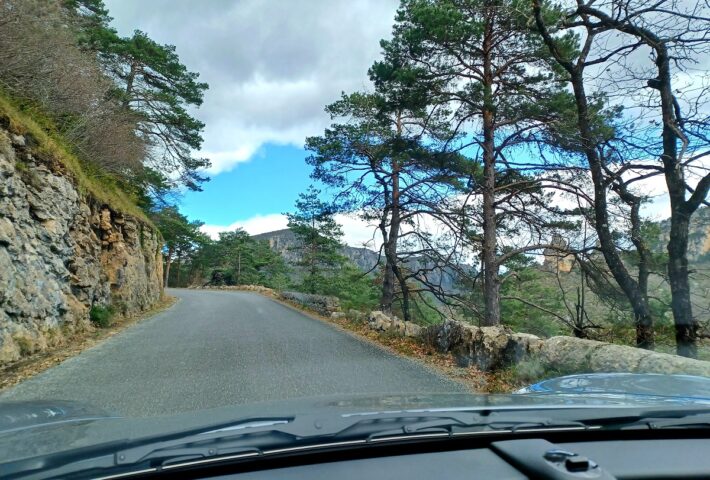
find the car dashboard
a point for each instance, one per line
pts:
(658, 458)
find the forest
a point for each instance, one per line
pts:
(493, 135)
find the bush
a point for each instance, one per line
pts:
(101, 316)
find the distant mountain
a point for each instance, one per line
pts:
(284, 242)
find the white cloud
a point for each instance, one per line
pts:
(272, 66)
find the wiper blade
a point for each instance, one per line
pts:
(482, 427)
(692, 420)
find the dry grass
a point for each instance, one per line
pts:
(89, 179)
(16, 372)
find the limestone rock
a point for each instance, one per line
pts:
(53, 266)
(381, 322)
(322, 304)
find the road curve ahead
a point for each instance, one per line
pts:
(219, 348)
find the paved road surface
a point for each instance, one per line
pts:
(219, 348)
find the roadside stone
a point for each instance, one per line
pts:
(18, 140)
(322, 304)
(569, 353)
(379, 321)
(673, 364)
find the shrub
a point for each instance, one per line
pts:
(102, 316)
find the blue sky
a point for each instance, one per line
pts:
(272, 66)
(266, 184)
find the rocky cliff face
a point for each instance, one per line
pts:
(698, 236)
(284, 241)
(63, 253)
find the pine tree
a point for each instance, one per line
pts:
(152, 83)
(493, 72)
(319, 241)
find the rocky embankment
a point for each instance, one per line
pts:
(62, 252)
(495, 348)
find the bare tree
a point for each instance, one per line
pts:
(678, 35)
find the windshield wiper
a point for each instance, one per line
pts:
(662, 420)
(264, 436)
(261, 436)
(489, 425)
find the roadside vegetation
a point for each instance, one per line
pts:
(116, 106)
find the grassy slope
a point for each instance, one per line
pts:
(88, 178)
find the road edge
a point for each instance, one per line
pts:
(435, 362)
(17, 372)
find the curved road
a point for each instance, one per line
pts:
(219, 348)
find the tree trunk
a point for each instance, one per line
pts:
(392, 271)
(644, 326)
(168, 261)
(491, 281)
(388, 282)
(130, 78)
(686, 326)
(639, 303)
(177, 280)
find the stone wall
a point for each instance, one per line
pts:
(494, 348)
(62, 253)
(318, 303)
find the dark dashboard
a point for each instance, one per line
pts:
(518, 459)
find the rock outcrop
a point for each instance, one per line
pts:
(62, 253)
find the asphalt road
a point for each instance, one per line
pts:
(220, 348)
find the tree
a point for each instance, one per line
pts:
(319, 240)
(151, 82)
(179, 234)
(674, 35)
(592, 137)
(491, 68)
(44, 71)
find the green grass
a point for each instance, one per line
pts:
(89, 178)
(102, 316)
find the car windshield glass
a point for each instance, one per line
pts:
(269, 223)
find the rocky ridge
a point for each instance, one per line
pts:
(63, 253)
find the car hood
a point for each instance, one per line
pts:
(29, 429)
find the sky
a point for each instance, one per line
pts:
(272, 67)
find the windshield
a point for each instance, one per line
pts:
(229, 213)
